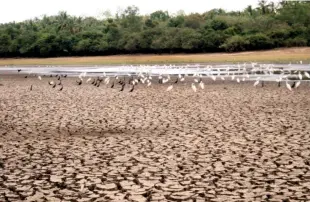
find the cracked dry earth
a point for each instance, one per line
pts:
(229, 142)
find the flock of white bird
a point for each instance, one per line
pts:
(239, 73)
(193, 74)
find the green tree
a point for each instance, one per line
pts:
(258, 41)
(235, 43)
(160, 15)
(269, 25)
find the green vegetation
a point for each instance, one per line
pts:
(286, 24)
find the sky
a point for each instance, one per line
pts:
(19, 10)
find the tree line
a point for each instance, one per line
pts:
(267, 26)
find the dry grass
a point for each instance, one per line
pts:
(277, 55)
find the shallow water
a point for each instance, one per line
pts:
(249, 70)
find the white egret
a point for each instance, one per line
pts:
(194, 87)
(299, 76)
(256, 83)
(169, 88)
(288, 86)
(297, 84)
(202, 85)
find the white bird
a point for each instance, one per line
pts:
(196, 80)
(182, 79)
(39, 77)
(238, 80)
(233, 77)
(88, 80)
(288, 86)
(222, 78)
(169, 88)
(143, 80)
(107, 80)
(149, 84)
(297, 84)
(213, 77)
(256, 83)
(299, 76)
(83, 74)
(194, 87)
(202, 85)
(307, 75)
(165, 80)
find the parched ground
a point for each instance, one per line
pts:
(229, 142)
(283, 55)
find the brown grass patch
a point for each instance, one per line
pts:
(276, 55)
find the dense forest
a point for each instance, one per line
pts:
(270, 25)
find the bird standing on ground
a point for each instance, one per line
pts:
(79, 82)
(297, 84)
(123, 86)
(202, 86)
(293, 85)
(288, 86)
(194, 87)
(133, 87)
(169, 88)
(256, 83)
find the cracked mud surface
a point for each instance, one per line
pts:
(229, 142)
